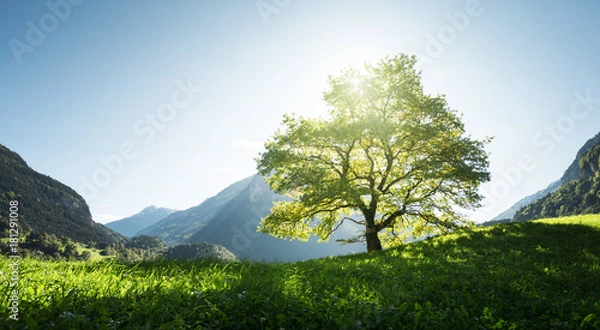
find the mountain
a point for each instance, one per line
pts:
(572, 173)
(234, 227)
(511, 211)
(578, 196)
(46, 205)
(147, 217)
(230, 219)
(179, 226)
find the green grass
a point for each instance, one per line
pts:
(95, 253)
(543, 274)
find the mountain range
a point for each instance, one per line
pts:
(179, 226)
(231, 218)
(147, 217)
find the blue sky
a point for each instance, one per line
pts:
(93, 89)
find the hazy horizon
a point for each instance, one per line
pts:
(168, 104)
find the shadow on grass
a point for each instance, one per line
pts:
(524, 275)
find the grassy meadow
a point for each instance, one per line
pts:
(543, 274)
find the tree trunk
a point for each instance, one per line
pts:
(373, 242)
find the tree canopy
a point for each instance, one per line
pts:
(388, 157)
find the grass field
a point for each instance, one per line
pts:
(95, 253)
(542, 274)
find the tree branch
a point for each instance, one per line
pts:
(391, 219)
(355, 221)
(340, 224)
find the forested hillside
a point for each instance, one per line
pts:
(46, 205)
(573, 172)
(579, 196)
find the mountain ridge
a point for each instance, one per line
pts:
(578, 196)
(231, 218)
(180, 225)
(571, 173)
(46, 205)
(236, 229)
(129, 226)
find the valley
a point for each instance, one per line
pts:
(299, 165)
(219, 272)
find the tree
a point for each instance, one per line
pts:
(71, 250)
(85, 255)
(397, 157)
(146, 242)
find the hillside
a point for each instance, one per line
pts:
(234, 227)
(230, 219)
(538, 274)
(46, 205)
(147, 217)
(570, 174)
(579, 196)
(509, 213)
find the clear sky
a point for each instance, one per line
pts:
(166, 103)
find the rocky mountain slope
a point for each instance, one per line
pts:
(46, 205)
(578, 196)
(570, 174)
(235, 226)
(230, 219)
(179, 226)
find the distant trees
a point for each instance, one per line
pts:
(201, 250)
(137, 249)
(71, 251)
(146, 242)
(148, 248)
(49, 246)
(388, 151)
(85, 255)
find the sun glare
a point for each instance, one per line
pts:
(357, 84)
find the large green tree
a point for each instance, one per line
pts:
(388, 157)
